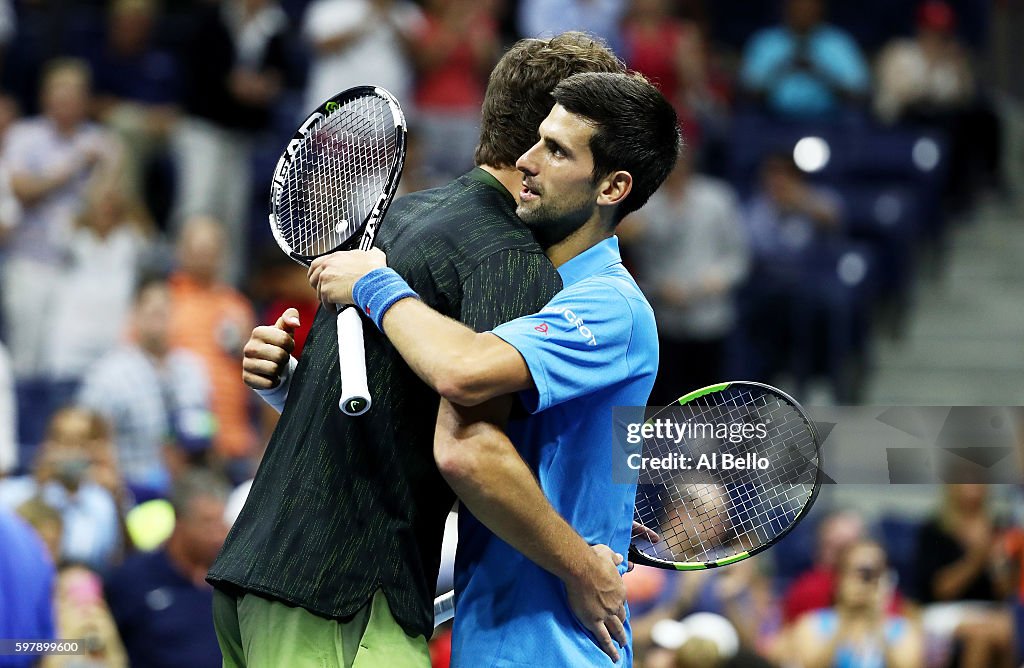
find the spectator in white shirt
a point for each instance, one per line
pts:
(8, 416)
(49, 160)
(358, 43)
(602, 18)
(111, 240)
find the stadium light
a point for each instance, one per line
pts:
(811, 154)
(852, 268)
(926, 154)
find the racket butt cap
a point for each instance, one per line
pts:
(354, 406)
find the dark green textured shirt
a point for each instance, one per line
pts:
(344, 506)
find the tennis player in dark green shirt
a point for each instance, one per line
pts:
(334, 558)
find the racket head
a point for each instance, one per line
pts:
(338, 174)
(740, 513)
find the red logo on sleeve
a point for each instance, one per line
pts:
(542, 328)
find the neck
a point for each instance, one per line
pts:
(65, 129)
(510, 177)
(591, 233)
(154, 351)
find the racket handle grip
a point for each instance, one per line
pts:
(355, 395)
(444, 608)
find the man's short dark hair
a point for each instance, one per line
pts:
(149, 279)
(636, 129)
(197, 483)
(518, 94)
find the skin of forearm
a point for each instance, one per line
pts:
(31, 189)
(495, 484)
(951, 581)
(462, 366)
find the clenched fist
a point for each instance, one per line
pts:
(266, 353)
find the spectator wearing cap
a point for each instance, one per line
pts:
(927, 80)
(928, 72)
(804, 68)
(26, 586)
(63, 479)
(160, 600)
(147, 388)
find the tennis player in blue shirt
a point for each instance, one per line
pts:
(606, 146)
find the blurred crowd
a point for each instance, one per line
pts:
(829, 150)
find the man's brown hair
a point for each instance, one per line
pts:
(519, 91)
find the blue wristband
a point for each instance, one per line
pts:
(378, 291)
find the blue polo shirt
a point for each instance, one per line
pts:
(165, 620)
(592, 347)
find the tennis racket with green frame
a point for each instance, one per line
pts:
(723, 515)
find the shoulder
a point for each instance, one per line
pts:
(238, 301)
(932, 531)
(15, 491)
(618, 288)
(184, 361)
(835, 36)
(115, 363)
(98, 497)
(458, 225)
(768, 38)
(813, 623)
(25, 132)
(613, 298)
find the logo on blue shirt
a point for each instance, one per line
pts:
(573, 319)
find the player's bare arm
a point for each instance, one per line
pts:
(490, 478)
(463, 366)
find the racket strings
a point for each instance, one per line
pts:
(707, 515)
(337, 176)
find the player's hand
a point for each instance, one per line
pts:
(598, 599)
(333, 276)
(266, 353)
(643, 532)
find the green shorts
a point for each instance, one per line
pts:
(255, 632)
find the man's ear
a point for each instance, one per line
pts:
(614, 188)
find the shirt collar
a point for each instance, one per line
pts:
(591, 261)
(485, 177)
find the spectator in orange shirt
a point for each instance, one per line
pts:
(213, 320)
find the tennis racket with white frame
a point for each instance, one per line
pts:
(332, 186)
